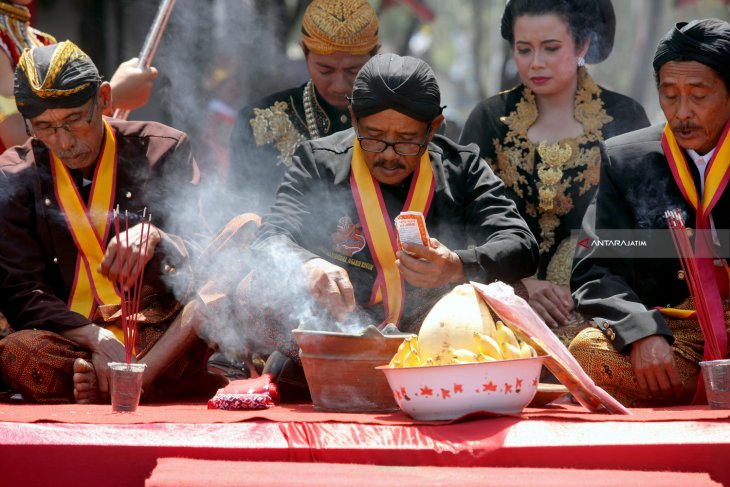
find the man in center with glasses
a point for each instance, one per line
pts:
(332, 224)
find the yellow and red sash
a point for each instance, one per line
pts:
(716, 180)
(89, 227)
(378, 227)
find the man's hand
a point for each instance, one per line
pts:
(131, 85)
(133, 256)
(429, 267)
(104, 348)
(654, 365)
(553, 303)
(331, 287)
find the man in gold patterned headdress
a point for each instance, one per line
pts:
(60, 263)
(338, 38)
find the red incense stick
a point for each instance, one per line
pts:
(130, 291)
(688, 261)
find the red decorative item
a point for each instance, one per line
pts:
(258, 393)
(686, 254)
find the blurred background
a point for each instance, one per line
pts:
(218, 55)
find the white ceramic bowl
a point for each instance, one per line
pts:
(451, 391)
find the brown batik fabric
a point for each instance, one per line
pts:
(613, 371)
(39, 364)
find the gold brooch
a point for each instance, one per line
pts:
(550, 171)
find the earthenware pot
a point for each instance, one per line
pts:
(340, 369)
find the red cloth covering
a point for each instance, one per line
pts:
(80, 455)
(284, 413)
(186, 472)
(245, 394)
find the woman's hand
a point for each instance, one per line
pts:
(553, 303)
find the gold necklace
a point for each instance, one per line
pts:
(309, 110)
(550, 171)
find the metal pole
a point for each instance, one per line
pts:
(150, 43)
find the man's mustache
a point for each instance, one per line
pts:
(396, 164)
(682, 126)
(68, 155)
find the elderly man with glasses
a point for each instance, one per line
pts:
(61, 267)
(327, 252)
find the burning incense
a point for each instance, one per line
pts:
(688, 260)
(130, 293)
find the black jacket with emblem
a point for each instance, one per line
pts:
(620, 293)
(469, 214)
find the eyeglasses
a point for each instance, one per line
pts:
(401, 148)
(44, 130)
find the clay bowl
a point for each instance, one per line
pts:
(443, 392)
(341, 369)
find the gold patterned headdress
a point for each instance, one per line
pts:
(349, 26)
(56, 76)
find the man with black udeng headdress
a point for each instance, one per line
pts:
(338, 37)
(58, 255)
(647, 342)
(330, 231)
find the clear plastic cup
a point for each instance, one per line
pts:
(126, 385)
(716, 374)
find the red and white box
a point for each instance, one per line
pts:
(410, 227)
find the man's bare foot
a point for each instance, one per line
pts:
(86, 388)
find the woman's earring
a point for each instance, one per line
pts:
(581, 62)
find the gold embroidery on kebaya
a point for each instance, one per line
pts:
(572, 163)
(550, 171)
(551, 188)
(273, 126)
(560, 265)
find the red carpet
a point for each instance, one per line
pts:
(89, 445)
(183, 472)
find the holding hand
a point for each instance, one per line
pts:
(133, 256)
(131, 85)
(553, 303)
(330, 286)
(429, 267)
(653, 361)
(105, 348)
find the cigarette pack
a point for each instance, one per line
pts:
(410, 227)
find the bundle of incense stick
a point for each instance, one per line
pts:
(130, 291)
(692, 274)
